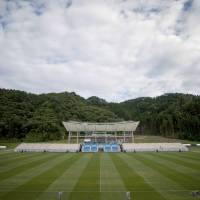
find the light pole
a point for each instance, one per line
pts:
(60, 195)
(128, 195)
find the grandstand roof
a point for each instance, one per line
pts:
(74, 126)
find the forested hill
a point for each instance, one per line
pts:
(170, 115)
(39, 117)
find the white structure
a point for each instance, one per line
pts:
(47, 147)
(187, 145)
(120, 130)
(142, 147)
(2, 147)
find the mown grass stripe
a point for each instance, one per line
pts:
(177, 166)
(168, 188)
(41, 182)
(180, 167)
(186, 171)
(88, 181)
(187, 156)
(15, 158)
(15, 161)
(133, 181)
(112, 186)
(10, 154)
(181, 178)
(128, 174)
(184, 156)
(110, 177)
(24, 167)
(17, 164)
(11, 183)
(5, 151)
(67, 181)
(197, 151)
(179, 161)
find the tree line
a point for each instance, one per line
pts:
(170, 115)
(32, 117)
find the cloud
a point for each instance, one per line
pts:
(113, 49)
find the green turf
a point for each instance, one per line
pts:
(157, 139)
(148, 176)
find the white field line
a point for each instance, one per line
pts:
(106, 191)
(100, 174)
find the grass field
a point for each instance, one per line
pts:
(155, 138)
(148, 176)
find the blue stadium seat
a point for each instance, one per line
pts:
(90, 148)
(86, 148)
(94, 148)
(107, 148)
(115, 148)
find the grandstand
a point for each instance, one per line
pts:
(106, 147)
(101, 132)
(47, 147)
(156, 147)
(105, 137)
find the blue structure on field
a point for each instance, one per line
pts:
(93, 147)
(89, 147)
(112, 147)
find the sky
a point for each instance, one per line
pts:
(114, 49)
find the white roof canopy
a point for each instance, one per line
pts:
(73, 126)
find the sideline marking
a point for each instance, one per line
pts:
(108, 191)
(100, 173)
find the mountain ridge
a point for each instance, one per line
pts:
(38, 117)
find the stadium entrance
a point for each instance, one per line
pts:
(96, 137)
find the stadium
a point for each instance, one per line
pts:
(101, 137)
(100, 100)
(101, 161)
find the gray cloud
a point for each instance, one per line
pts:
(113, 49)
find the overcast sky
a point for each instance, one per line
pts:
(114, 49)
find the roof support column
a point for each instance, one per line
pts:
(132, 136)
(124, 136)
(69, 137)
(77, 137)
